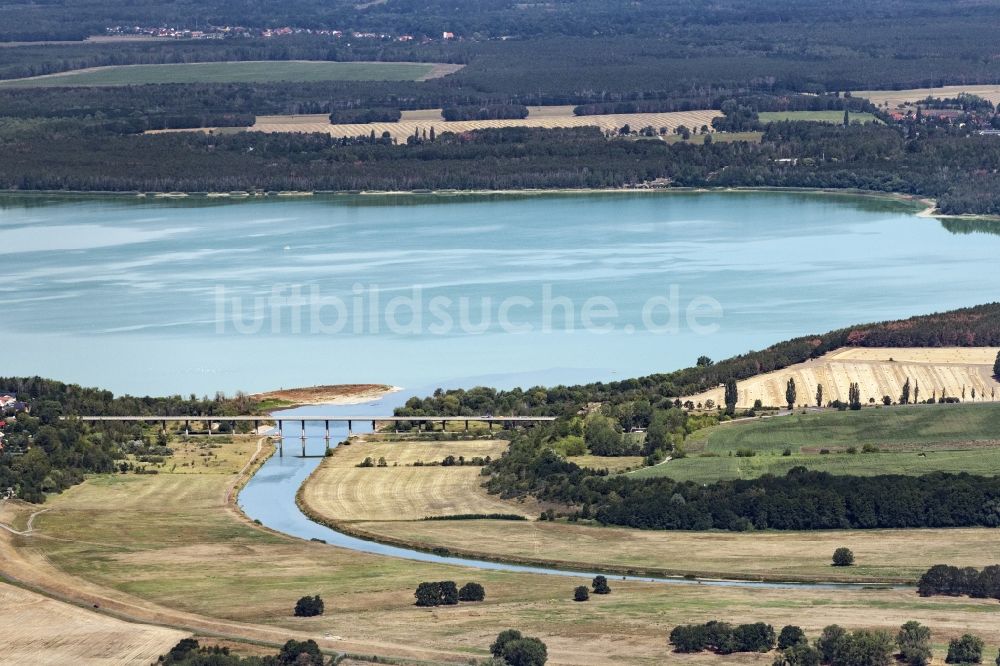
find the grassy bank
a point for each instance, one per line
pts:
(911, 440)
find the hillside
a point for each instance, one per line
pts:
(952, 371)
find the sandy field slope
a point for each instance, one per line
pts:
(52, 632)
(340, 490)
(538, 116)
(879, 371)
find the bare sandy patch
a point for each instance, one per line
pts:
(331, 394)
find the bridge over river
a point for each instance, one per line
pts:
(504, 421)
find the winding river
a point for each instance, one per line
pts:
(269, 497)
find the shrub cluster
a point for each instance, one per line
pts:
(446, 593)
(723, 638)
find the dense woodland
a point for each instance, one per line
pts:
(959, 170)
(43, 453)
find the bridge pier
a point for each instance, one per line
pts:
(187, 428)
(163, 426)
(350, 431)
(327, 438)
(281, 439)
(303, 435)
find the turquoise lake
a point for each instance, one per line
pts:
(181, 296)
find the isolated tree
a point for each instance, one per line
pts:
(996, 366)
(819, 395)
(965, 650)
(914, 643)
(843, 557)
(904, 398)
(886, 400)
(854, 396)
(581, 593)
(916, 391)
(732, 395)
(472, 592)
(600, 585)
(790, 393)
(309, 606)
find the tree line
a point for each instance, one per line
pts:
(42, 453)
(800, 500)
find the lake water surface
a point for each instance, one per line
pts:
(164, 296)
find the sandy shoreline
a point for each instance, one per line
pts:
(330, 394)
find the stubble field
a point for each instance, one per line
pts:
(878, 371)
(538, 116)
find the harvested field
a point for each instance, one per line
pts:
(898, 555)
(610, 463)
(341, 491)
(538, 116)
(166, 548)
(897, 97)
(236, 72)
(879, 371)
(835, 117)
(52, 632)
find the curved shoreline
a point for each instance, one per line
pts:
(639, 573)
(929, 205)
